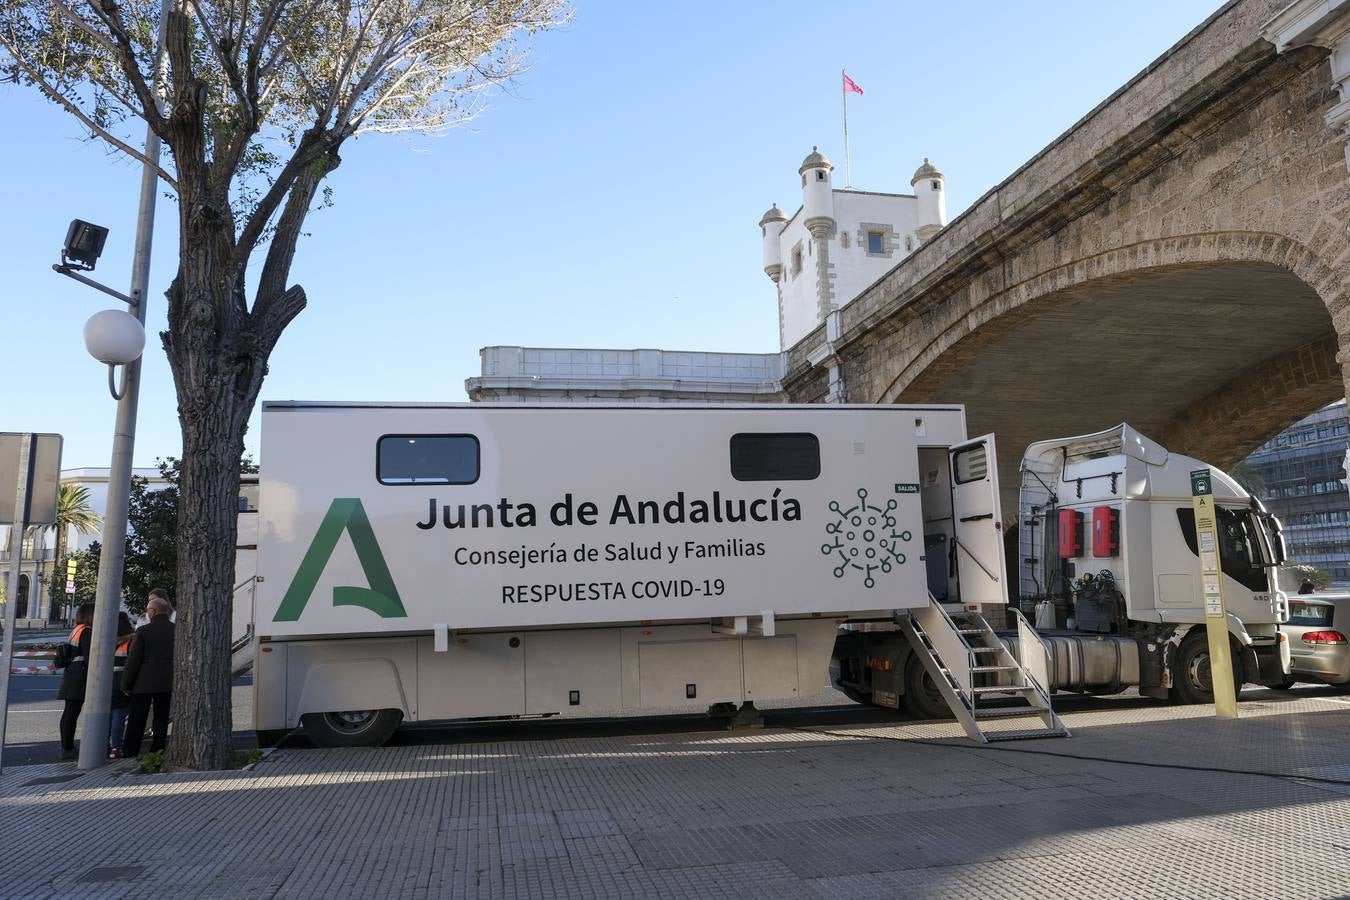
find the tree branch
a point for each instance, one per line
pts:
(277, 305)
(111, 16)
(98, 131)
(309, 149)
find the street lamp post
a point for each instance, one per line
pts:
(111, 341)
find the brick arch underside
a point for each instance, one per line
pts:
(1295, 374)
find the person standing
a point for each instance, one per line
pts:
(74, 677)
(148, 676)
(120, 700)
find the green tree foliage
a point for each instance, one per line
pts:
(152, 538)
(86, 579)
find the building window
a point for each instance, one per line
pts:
(820, 174)
(843, 239)
(775, 457)
(797, 259)
(909, 244)
(937, 185)
(876, 242)
(427, 459)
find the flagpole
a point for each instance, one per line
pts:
(848, 166)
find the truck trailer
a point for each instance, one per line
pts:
(445, 561)
(1107, 555)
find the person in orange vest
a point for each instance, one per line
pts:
(74, 678)
(120, 700)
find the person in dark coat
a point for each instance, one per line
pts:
(148, 677)
(74, 678)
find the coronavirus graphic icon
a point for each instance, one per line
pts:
(864, 538)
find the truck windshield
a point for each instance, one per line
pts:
(1240, 552)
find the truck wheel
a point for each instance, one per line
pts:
(353, 728)
(1191, 680)
(922, 698)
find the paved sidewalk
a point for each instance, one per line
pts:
(868, 811)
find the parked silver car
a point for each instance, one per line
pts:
(1318, 647)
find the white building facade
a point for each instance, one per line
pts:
(38, 563)
(578, 375)
(839, 242)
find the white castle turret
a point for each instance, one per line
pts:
(928, 184)
(841, 241)
(817, 194)
(771, 228)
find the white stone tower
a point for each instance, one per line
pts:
(771, 229)
(817, 194)
(928, 184)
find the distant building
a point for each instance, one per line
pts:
(841, 241)
(571, 375)
(37, 562)
(1303, 471)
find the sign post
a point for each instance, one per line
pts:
(1211, 578)
(30, 472)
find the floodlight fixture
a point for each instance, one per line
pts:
(84, 245)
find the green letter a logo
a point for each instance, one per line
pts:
(381, 597)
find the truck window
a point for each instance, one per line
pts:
(427, 459)
(775, 457)
(972, 464)
(1310, 615)
(1238, 549)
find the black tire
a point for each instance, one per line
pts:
(354, 728)
(922, 698)
(1286, 685)
(1191, 682)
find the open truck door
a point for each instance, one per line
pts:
(980, 570)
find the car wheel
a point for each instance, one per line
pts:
(353, 728)
(1285, 685)
(922, 698)
(1191, 678)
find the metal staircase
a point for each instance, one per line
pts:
(971, 667)
(241, 649)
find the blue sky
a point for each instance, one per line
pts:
(610, 199)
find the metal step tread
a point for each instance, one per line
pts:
(1004, 689)
(1024, 734)
(985, 649)
(971, 631)
(995, 668)
(1016, 712)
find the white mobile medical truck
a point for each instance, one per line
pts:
(421, 562)
(1107, 549)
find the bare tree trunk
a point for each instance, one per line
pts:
(207, 528)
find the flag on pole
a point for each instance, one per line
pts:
(851, 85)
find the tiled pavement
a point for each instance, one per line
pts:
(1151, 802)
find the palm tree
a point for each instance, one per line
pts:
(72, 511)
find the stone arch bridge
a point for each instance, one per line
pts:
(1179, 259)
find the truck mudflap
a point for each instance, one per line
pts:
(1266, 661)
(869, 667)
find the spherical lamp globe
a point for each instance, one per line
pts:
(114, 336)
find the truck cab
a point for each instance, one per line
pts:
(1107, 547)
